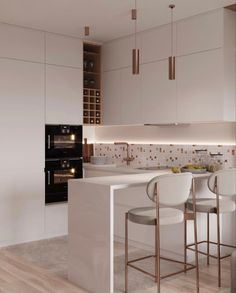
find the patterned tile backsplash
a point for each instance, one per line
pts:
(169, 155)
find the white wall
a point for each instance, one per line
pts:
(215, 133)
(26, 91)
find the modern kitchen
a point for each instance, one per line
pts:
(126, 179)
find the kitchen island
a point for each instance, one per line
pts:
(91, 227)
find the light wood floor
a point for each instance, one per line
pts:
(18, 276)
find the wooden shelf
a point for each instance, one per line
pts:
(92, 53)
(91, 72)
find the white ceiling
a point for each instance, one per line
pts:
(108, 19)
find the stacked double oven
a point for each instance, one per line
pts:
(63, 151)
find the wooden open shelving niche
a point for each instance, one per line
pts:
(92, 84)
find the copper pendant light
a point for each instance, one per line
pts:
(172, 57)
(135, 52)
(86, 31)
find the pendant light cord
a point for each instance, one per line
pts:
(172, 32)
(135, 26)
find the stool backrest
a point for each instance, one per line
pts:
(225, 180)
(173, 189)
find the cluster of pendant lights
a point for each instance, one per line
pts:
(135, 51)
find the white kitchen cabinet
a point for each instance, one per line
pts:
(200, 33)
(22, 151)
(21, 114)
(158, 93)
(21, 43)
(63, 50)
(202, 96)
(118, 53)
(204, 89)
(112, 97)
(56, 219)
(64, 95)
(130, 97)
(156, 43)
(21, 204)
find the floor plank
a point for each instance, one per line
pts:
(18, 275)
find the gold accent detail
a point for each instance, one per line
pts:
(135, 59)
(134, 14)
(86, 31)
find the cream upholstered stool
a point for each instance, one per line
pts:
(222, 184)
(168, 190)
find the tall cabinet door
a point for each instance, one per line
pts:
(130, 97)
(158, 93)
(112, 96)
(22, 150)
(64, 90)
(200, 87)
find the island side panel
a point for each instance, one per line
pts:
(91, 236)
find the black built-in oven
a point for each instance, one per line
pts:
(63, 141)
(57, 174)
(63, 160)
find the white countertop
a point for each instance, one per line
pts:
(131, 180)
(115, 168)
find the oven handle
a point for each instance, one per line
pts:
(49, 178)
(49, 142)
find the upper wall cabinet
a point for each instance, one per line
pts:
(64, 95)
(204, 89)
(112, 92)
(21, 43)
(118, 53)
(130, 97)
(200, 88)
(206, 85)
(156, 44)
(63, 50)
(200, 33)
(158, 94)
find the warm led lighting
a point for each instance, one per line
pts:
(72, 170)
(72, 137)
(202, 143)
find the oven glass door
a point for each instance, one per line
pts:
(63, 141)
(57, 174)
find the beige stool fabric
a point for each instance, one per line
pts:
(147, 216)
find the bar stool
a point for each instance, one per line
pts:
(169, 190)
(221, 183)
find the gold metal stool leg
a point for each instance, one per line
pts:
(195, 236)
(185, 238)
(208, 239)
(218, 249)
(126, 252)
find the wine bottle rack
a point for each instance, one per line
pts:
(92, 106)
(92, 84)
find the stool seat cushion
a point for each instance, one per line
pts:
(147, 216)
(208, 205)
